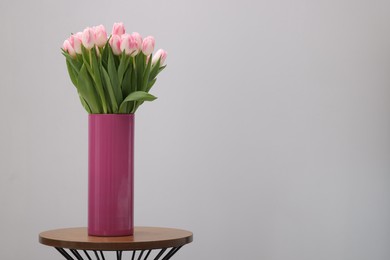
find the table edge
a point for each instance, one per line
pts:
(118, 245)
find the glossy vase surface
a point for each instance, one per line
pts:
(110, 174)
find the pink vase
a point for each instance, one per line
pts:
(111, 175)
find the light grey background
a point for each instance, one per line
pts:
(270, 138)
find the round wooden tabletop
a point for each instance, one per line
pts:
(143, 238)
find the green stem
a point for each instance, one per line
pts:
(135, 70)
(132, 108)
(90, 57)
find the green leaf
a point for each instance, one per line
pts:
(161, 68)
(116, 61)
(110, 90)
(136, 96)
(106, 50)
(150, 84)
(155, 69)
(75, 63)
(134, 86)
(98, 80)
(145, 79)
(126, 88)
(109, 105)
(123, 65)
(72, 73)
(87, 91)
(79, 58)
(87, 59)
(126, 84)
(140, 63)
(85, 104)
(112, 72)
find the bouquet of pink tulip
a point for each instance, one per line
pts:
(112, 75)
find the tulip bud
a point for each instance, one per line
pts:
(88, 38)
(129, 45)
(100, 35)
(138, 39)
(75, 41)
(115, 43)
(160, 54)
(148, 45)
(67, 46)
(79, 35)
(118, 29)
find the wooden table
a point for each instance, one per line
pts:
(154, 242)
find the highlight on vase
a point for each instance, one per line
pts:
(112, 75)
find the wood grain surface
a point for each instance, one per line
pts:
(143, 238)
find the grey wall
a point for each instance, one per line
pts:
(270, 138)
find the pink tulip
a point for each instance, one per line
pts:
(118, 29)
(79, 35)
(100, 35)
(159, 54)
(115, 43)
(148, 45)
(67, 46)
(88, 38)
(75, 41)
(138, 39)
(129, 45)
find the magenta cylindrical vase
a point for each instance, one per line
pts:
(111, 174)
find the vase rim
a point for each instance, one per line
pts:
(131, 114)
